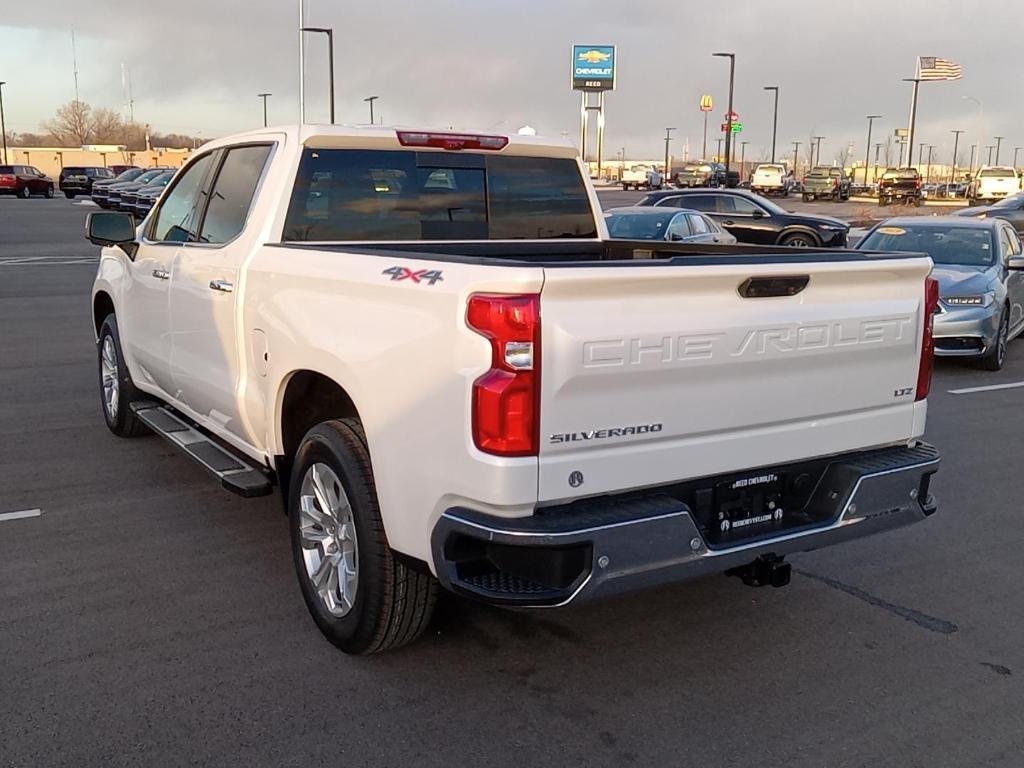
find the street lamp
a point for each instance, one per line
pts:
(817, 154)
(718, 154)
(999, 143)
(1015, 151)
(956, 145)
(976, 149)
(3, 126)
(264, 97)
(728, 118)
(668, 138)
(796, 155)
(330, 60)
(775, 116)
(369, 100)
(743, 159)
(990, 147)
(867, 149)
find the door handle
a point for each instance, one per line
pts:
(161, 274)
(729, 223)
(221, 285)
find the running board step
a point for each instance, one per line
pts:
(234, 472)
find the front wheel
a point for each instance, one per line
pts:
(799, 240)
(49, 191)
(69, 195)
(361, 596)
(117, 392)
(994, 360)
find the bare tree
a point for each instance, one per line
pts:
(842, 157)
(73, 123)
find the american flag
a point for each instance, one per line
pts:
(934, 68)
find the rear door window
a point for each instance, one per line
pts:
(362, 195)
(698, 224)
(679, 228)
(178, 218)
(707, 203)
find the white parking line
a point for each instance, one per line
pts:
(20, 515)
(990, 388)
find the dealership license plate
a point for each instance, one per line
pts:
(747, 505)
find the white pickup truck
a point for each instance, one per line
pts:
(993, 182)
(770, 179)
(427, 341)
(642, 177)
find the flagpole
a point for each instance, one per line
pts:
(916, 80)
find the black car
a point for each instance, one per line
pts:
(754, 219)
(1010, 208)
(101, 189)
(78, 180)
(115, 190)
(131, 197)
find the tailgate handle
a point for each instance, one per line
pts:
(769, 286)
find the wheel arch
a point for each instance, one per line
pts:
(798, 229)
(102, 306)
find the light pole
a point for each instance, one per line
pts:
(878, 150)
(867, 149)
(743, 159)
(330, 60)
(3, 126)
(728, 117)
(977, 130)
(913, 120)
(990, 147)
(956, 145)
(1015, 151)
(920, 153)
(816, 159)
(971, 165)
(668, 138)
(775, 116)
(928, 175)
(999, 144)
(369, 100)
(718, 154)
(796, 156)
(264, 97)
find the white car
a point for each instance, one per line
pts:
(642, 177)
(769, 179)
(993, 182)
(427, 341)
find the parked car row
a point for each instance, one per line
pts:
(24, 181)
(135, 190)
(78, 180)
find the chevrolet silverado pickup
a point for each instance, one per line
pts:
(427, 341)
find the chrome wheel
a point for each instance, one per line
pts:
(108, 377)
(328, 536)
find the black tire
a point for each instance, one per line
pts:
(25, 193)
(393, 602)
(800, 240)
(49, 192)
(882, 202)
(69, 195)
(918, 202)
(122, 422)
(996, 357)
(625, 187)
(807, 198)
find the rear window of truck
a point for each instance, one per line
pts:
(381, 195)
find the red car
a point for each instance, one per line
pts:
(24, 181)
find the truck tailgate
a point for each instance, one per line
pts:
(658, 373)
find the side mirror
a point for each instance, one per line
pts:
(108, 229)
(675, 237)
(1015, 262)
(758, 213)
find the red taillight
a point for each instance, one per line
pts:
(931, 306)
(7, 179)
(506, 399)
(451, 141)
(917, 183)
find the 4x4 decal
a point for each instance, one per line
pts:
(429, 276)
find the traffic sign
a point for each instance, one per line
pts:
(706, 103)
(736, 127)
(735, 116)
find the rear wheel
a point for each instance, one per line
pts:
(117, 392)
(25, 193)
(807, 198)
(361, 596)
(994, 360)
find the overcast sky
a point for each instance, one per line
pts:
(499, 64)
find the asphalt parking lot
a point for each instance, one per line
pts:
(147, 618)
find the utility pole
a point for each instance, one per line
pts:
(973, 148)
(743, 159)
(816, 156)
(264, 97)
(867, 148)
(728, 116)
(74, 64)
(956, 145)
(775, 116)
(878, 150)
(668, 138)
(3, 126)
(1015, 151)
(990, 147)
(920, 153)
(999, 144)
(796, 155)
(718, 154)
(369, 100)
(330, 60)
